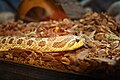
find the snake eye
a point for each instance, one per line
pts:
(77, 40)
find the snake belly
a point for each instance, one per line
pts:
(50, 44)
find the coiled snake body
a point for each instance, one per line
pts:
(50, 44)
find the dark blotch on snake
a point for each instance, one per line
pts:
(3, 41)
(19, 41)
(71, 43)
(61, 43)
(42, 43)
(30, 42)
(11, 40)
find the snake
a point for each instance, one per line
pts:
(46, 44)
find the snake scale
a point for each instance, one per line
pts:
(50, 44)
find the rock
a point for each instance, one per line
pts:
(114, 9)
(6, 16)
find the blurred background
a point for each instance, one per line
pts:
(74, 8)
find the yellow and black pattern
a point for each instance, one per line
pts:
(50, 44)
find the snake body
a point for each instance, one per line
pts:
(50, 44)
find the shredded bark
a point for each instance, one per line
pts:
(100, 56)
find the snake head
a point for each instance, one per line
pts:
(75, 43)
